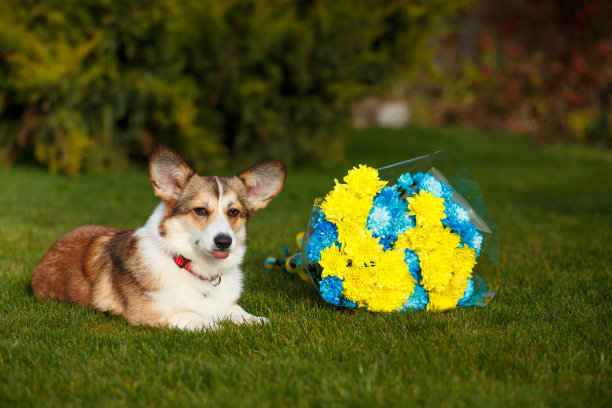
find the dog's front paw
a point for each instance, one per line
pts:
(246, 318)
(191, 321)
(238, 315)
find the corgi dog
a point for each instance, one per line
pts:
(182, 268)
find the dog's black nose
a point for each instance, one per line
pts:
(223, 241)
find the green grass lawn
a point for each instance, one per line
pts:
(544, 340)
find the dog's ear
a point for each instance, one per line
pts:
(263, 182)
(168, 173)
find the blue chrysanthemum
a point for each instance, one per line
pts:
(457, 217)
(455, 212)
(429, 183)
(331, 290)
(314, 248)
(402, 222)
(472, 238)
(379, 221)
(388, 218)
(388, 197)
(405, 182)
(412, 260)
(324, 235)
(418, 300)
(328, 233)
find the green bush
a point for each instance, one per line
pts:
(89, 84)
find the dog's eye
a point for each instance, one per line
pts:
(233, 212)
(200, 211)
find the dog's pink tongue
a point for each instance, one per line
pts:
(220, 254)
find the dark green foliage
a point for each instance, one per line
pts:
(89, 83)
(92, 83)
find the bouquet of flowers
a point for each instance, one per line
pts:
(413, 235)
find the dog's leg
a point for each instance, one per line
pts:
(238, 315)
(191, 321)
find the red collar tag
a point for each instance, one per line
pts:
(182, 262)
(185, 264)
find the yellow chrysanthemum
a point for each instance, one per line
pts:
(335, 205)
(464, 259)
(420, 238)
(362, 248)
(347, 231)
(428, 208)
(358, 284)
(383, 286)
(392, 271)
(443, 298)
(343, 205)
(334, 262)
(364, 181)
(436, 271)
(360, 208)
(441, 301)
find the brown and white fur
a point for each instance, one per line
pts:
(133, 272)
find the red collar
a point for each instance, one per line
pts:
(185, 264)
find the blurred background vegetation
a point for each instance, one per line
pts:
(90, 85)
